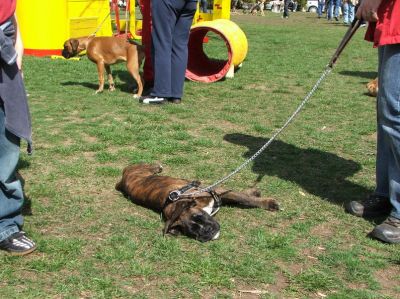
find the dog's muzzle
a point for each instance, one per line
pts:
(66, 54)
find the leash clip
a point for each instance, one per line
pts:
(174, 195)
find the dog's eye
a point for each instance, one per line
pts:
(197, 217)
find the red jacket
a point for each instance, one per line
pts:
(387, 30)
(7, 8)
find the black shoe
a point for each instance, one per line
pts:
(374, 205)
(174, 100)
(388, 231)
(336, 18)
(152, 100)
(18, 244)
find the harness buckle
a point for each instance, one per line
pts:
(174, 195)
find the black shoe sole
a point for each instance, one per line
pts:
(20, 253)
(378, 235)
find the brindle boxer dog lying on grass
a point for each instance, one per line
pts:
(187, 215)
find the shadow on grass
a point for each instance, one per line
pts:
(128, 84)
(319, 173)
(367, 75)
(84, 84)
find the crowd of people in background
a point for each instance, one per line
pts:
(332, 10)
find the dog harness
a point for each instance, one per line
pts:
(180, 193)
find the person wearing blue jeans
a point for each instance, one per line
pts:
(203, 6)
(320, 9)
(348, 11)
(171, 22)
(15, 123)
(333, 9)
(384, 30)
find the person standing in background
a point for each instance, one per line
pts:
(320, 9)
(333, 9)
(348, 11)
(171, 22)
(286, 9)
(203, 6)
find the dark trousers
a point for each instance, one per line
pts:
(172, 20)
(286, 8)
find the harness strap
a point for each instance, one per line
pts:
(175, 194)
(217, 202)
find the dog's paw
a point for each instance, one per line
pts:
(136, 96)
(270, 204)
(99, 91)
(111, 88)
(157, 168)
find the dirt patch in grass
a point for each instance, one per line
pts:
(389, 280)
(325, 230)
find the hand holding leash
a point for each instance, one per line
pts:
(367, 10)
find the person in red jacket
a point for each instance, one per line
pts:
(384, 31)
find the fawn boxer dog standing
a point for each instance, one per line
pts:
(189, 215)
(105, 51)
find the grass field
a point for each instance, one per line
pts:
(94, 243)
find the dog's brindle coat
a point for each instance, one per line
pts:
(187, 216)
(105, 51)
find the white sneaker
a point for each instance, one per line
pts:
(152, 100)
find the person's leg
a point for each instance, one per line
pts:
(388, 109)
(286, 9)
(376, 204)
(329, 10)
(338, 3)
(351, 13)
(11, 195)
(383, 149)
(346, 12)
(320, 7)
(204, 5)
(180, 47)
(12, 239)
(163, 20)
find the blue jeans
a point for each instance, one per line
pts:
(388, 130)
(321, 4)
(11, 194)
(348, 12)
(333, 8)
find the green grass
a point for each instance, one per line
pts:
(93, 243)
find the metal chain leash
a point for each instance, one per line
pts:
(290, 119)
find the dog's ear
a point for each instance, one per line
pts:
(74, 44)
(180, 206)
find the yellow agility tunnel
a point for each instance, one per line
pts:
(202, 68)
(46, 24)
